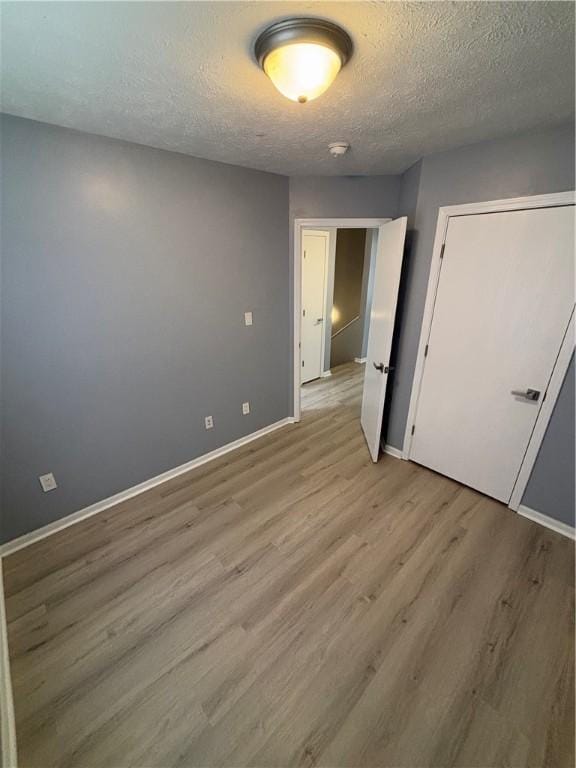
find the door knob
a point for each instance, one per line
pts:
(528, 394)
(319, 320)
(379, 367)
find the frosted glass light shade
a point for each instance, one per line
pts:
(302, 56)
(302, 71)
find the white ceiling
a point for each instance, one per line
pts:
(424, 77)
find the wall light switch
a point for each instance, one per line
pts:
(247, 318)
(245, 408)
(208, 422)
(48, 482)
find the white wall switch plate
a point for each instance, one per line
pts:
(208, 422)
(48, 482)
(247, 318)
(245, 408)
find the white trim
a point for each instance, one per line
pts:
(325, 374)
(299, 225)
(360, 360)
(548, 522)
(100, 506)
(544, 415)
(7, 720)
(444, 214)
(391, 451)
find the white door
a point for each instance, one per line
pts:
(503, 303)
(314, 263)
(389, 252)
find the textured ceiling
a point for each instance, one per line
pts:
(424, 77)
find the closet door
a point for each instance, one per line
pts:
(504, 300)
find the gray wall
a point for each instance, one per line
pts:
(346, 347)
(348, 271)
(529, 164)
(410, 186)
(408, 199)
(344, 196)
(352, 342)
(368, 286)
(125, 275)
(551, 486)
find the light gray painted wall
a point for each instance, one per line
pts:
(348, 274)
(344, 196)
(410, 185)
(126, 272)
(350, 247)
(551, 486)
(368, 285)
(347, 345)
(350, 344)
(529, 164)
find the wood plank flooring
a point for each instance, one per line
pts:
(292, 604)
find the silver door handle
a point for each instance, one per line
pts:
(527, 394)
(319, 320)
(379, 367)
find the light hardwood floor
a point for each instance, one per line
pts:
(293, 604)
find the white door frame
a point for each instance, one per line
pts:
(299, 225)
(562, 361)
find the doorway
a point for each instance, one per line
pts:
(337, 280)
(345, 289)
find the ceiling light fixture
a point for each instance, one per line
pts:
(303, 56)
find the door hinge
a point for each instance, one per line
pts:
(426, 351)
(442, 250)
(545, 393)
(302, 363)
(303, 313)
(413, 428)
(304, 254)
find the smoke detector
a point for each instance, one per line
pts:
(338, 148)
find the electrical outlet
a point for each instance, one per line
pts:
(48, 482)
(208, 422)
(247, 318)
(245, 408)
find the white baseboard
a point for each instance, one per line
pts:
(325, 373)
(360, 359)
(7, 720)
(555, 525)
(391, 451)
(100, 506)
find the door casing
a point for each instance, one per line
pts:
(566, 349)
(299, 225)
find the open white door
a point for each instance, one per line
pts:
(389, 254)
